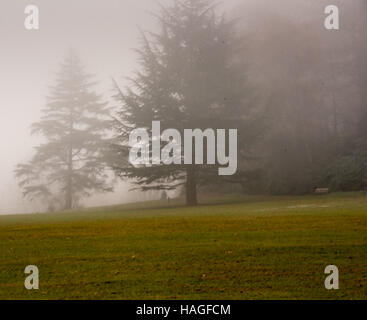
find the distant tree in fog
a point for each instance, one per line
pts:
(69, 165)
(191, 77)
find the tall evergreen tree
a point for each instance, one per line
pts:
(68, 166)
(191, 77)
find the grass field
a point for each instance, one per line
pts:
(231, 248)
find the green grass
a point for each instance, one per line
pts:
(231, 248)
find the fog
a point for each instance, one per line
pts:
(103, 33)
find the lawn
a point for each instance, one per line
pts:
(232, 248)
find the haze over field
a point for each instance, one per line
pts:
(103, 33)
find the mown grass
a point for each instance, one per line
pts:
(231, 248)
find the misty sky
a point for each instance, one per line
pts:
(103, 34)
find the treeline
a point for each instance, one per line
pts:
(295, 91)
(312, 84)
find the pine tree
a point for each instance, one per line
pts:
(69, 165)
(191, 77)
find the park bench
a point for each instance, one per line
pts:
(322, 190)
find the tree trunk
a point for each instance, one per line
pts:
(69, 197)
(191, 194)
(69, 178)
(69, 184)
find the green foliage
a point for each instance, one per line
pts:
(348, 173)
